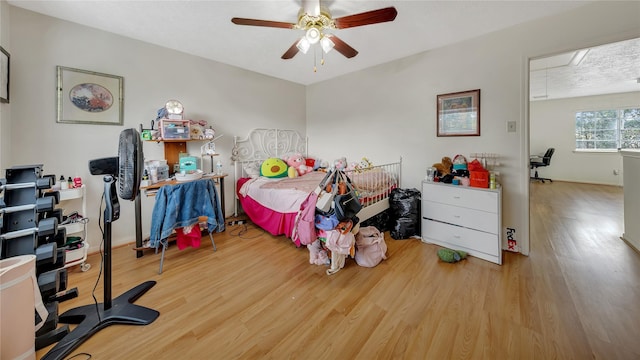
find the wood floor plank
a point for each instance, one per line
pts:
(257, 297)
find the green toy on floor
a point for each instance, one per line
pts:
(451, 256)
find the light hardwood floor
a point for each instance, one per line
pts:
(577, 296)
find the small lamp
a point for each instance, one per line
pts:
(175, 110)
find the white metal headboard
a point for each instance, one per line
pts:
(262, 144)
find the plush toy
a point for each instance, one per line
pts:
(252, 170)
(340, 163)
(444, 167)
(196, 132)
(274, 168)
(451, 256)
(209, 133)
(297, 165)
(363, 165)
(321, 165)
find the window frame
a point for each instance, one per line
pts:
(619, 119)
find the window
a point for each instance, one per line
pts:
(608, 129)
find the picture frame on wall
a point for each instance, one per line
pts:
(4, 75)
(89, 97)
(458, 114)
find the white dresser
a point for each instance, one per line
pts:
(463, 218)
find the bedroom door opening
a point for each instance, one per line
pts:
(559, 79)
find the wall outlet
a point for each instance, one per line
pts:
(511, 126)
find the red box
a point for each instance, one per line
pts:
(479, 179)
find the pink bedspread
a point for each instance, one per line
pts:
(273, 204)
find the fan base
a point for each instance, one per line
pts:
(92, 318)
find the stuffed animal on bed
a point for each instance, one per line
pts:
(252, 170)
(297, 165)
(320, 165)
(274, 168)
(340, 163)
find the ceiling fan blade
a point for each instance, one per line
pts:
(342, 47)
(266, 23)
(366, 18)
(291, 52)
(311, 7)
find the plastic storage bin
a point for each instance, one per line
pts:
(175, 129)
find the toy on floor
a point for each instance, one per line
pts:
(451, 256)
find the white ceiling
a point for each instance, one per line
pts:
(204, 28)
(606, 69)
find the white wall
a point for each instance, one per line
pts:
(231, 99)
(390, 110)
(553, 124)
(5, 109)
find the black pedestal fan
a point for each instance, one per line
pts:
(127, 167)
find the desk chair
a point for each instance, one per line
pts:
(181, 204)
(536, 161)
(165, 243)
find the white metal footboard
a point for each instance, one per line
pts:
(374, 186)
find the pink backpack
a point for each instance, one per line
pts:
(370, 246)
(304, 228)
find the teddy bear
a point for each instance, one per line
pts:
(297, 165)
(444, 167)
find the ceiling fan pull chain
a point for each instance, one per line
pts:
(315, 69)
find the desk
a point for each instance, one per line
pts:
(138, 202)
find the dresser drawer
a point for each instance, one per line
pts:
(470, 218)
(459, 238)
(472, 198)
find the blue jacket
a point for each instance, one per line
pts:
(180, 205)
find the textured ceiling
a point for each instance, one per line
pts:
(203, 28)
(606, 69)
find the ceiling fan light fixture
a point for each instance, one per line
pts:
(303, 45)
(326, 44)
(313, 35)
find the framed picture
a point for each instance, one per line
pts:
(4, 75)
(88, 97)
(459, 114)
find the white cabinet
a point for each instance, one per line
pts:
(463, 218)
(75, 201)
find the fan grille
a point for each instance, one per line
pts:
(130, 164)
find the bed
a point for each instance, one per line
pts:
(274, 204)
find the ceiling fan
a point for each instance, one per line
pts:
(314, 19)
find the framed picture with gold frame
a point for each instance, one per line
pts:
(89, 97)
(458, 113)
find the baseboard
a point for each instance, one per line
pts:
(633, 244)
